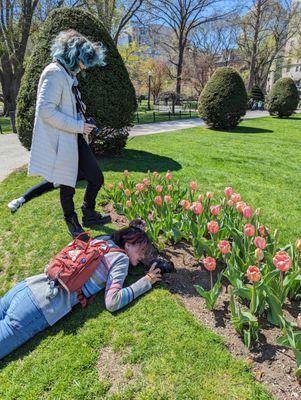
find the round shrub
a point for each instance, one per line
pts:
(223, 100)
(284, 98)
(257, 94)
(107, 91)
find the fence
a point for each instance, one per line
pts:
(168, 114)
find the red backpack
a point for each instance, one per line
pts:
(76, 263)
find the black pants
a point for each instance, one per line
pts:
(88, 167)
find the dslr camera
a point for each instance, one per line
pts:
(95, 131)
(164, 265)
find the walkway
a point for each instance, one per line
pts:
(13, 155)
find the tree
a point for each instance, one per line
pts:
(223, 102)
(183, 17)
(284, 98)
(264, 32)
(107, 91)
(15, 23)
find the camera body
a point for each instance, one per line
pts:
(164, 265)
(95, 131)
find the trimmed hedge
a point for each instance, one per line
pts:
(223, 101)
(256, 93)
(107, 91)
(284, 98)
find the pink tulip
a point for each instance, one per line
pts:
(260, 242)
(121, 185)
(111, 186)
(240, 206)
(139, 187)
(168, 176)
(235, 197)
(209, 263)
(228, 191)
(126, 172)
(215, 210)
(224, 246)
(169, 188)
(259, 255)
(249, 230)
(200, 198)
(282, 261)
(158, 200)
(253, 273)
(159, 188)
(193, 185)
(146, 182)
(231, 203)
(213, 227)
(263, 230)
(128, 204)
(155, 174)
(185, 204)
(167, 198)
(127, 192)
(247, 212)
(197, 208)
(209, 195)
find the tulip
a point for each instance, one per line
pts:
(240, 206)
(299, 321)
(247, 212)
(298, 245)
(185, 204)
(213, 227)
(224, 246)
(260, 242)
(235, 197)
(169, 188)
(231, 203)
(139, 187)
(209, 195)
(168, 176)
(155, 174)
(111, 186)
(158, 200)
(193, 185)
(282, 261)
(215, 210)
(159, 188)
(259, 255)
(128, 204)
(249, 230)
(253, 273)
(126, 172)
(228, 191)
(197, 208)
(121, 185)
(127, 192)
(146, 182)
(258, 212)
(200, 198)
(167, 198)
(209, 263)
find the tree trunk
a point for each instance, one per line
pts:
(254, 46)
(180, 65)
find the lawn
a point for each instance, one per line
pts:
(5, 125)
(176, 356)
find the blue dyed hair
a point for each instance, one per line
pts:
(69, 47)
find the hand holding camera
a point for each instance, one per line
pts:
(90, 127)
(154, 274)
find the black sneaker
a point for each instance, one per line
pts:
(75, 227)
(92, 217)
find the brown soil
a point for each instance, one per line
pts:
(272, 364)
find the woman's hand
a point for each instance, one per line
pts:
(88, 128)
(154, 274)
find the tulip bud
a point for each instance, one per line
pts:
(298, 245)
(258, 212)
(259, 255)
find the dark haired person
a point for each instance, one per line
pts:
(31, 306)
(59, 143)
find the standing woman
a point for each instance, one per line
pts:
(59, 144)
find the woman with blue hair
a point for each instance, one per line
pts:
(61, 132)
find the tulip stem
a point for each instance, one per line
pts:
(281, 279)
(211, 280)
(252, 305)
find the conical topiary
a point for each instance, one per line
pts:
(223, 101)
(107, 91)
(256, 93)
(284, 98)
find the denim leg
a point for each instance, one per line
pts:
(22, 319)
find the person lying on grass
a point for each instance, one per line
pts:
(35, 304)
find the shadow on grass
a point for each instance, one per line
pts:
(249, 130)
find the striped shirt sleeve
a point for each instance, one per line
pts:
(117, 296)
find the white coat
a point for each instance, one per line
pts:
(54, 149)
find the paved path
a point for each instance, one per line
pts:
(13, 155)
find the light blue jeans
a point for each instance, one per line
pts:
(20, 318)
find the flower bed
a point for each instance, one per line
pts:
(224, 231)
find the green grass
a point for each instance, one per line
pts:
(5, 125)
(178, 358)
(148, 117)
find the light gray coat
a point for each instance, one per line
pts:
(54, 149)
